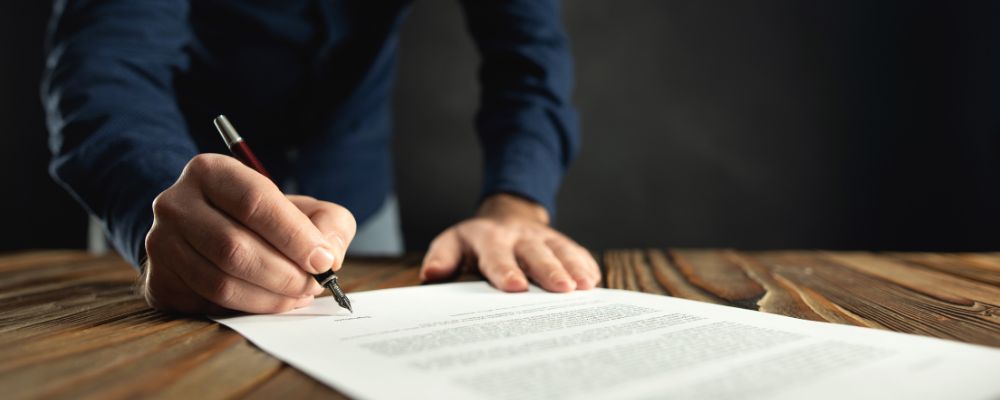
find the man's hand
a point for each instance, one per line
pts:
(225, 237)
(509, 237)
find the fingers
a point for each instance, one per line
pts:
(443, 257)
(335, 222)
(242, 254)
(502, 249)
(543, 266)
(497, 263)
(577, 261)
(255, 202)
(230, 292)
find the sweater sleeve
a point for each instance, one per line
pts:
(117, 136)
(526, 124)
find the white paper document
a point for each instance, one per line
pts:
(471, 341)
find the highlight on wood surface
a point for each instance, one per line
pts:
(71, 324)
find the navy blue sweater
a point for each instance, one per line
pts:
(131, 86)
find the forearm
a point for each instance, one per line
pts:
(526, 123)
(117, 136)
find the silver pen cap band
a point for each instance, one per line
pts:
(227, 131)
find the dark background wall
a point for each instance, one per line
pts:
(34, 212)
(767, 124)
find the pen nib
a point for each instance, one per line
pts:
(346, 303)
(329, 280)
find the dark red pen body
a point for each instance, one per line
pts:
(238, 146)
(242, 151)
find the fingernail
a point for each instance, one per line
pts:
(514, 282)
(320, 260)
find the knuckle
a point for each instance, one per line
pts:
(290, 238)
(252, 204)
(481, 225)
(165, 206)
(531, 246)
(322, 218)
(522, 247)
(234, 255)
(291, 285)
(342, 220)
(556, 274)
(564, 246)
(555, 243)
(338, 213)
(493, 233)
(321, 214)
(546, 270)
(504, 267)
(576, 265)
(349, 221)
(153, 238)
(534, 233)
(223, 291)
(204, 163)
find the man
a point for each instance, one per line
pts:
(131, 87)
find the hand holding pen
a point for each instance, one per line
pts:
(225, 237)
(241, 150)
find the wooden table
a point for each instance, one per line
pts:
(71, 324)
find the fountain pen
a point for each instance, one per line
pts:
(239, 148)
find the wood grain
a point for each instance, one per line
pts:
(779, 297)
(71, 324)
(719, 273)
(982, 268)
(877, 302)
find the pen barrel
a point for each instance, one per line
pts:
(241, 151)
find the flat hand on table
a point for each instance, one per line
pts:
(508, 238)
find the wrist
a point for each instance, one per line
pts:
(504, 205)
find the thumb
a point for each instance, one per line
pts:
(443, 256)
(335, 222)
